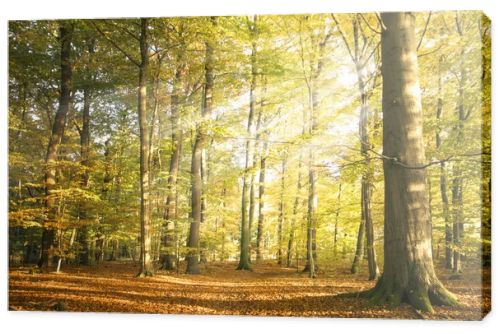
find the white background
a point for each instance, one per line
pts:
(38, 322)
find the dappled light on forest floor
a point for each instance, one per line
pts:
(220, 289)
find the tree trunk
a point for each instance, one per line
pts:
(50, 224)
(193, 243)
(146, 263)
(312, 202)
(486, 143)
(83, 236)
(223, 225)
(262, 181)
(457, 182)
(170, 215)
(337, 214)
(244, 263)
(316, 66)
(281, 218)
(251, 203)
(443, 184)
(359, 247)
(408, 268)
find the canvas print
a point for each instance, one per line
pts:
(312, 165)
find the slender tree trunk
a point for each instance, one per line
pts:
(170, 215)
(408, 268)
(337, 214)
(146, 263)
(281, 218)
(251, 201)
(204, 181)
(316, 65)
(84, 162)
(193, 243)
(295, 211)
(457, 182)
(262, 185)
(312, 202)
(223, 225)
(50, 223)
(443, 183)
(359, 247)
(244, 263)
(83, 235)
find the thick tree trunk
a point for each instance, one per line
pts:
(244, 263)
(486, 143)
(50, 224)
(408, 268)
(193, 243)
(146, 263)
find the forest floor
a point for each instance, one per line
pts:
(269, 290)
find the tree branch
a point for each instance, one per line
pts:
(126, 54)
(425, 29)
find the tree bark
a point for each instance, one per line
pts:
(337, 214)
(281, 218)
(408, 268)
(170, 215)
(457, 182)
(316, 65)
(50, 223)
(359, 247)
(244, 263)
(262, 187)
(83, 236)
(193, 243)
(443, 183)
(146, 263)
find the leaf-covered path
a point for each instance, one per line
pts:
(268, 290)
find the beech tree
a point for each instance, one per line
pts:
(408, 267)
(196, 160)
(50, 224)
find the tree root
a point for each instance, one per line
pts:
(244, 266)
(144, 273)
(421, 298)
